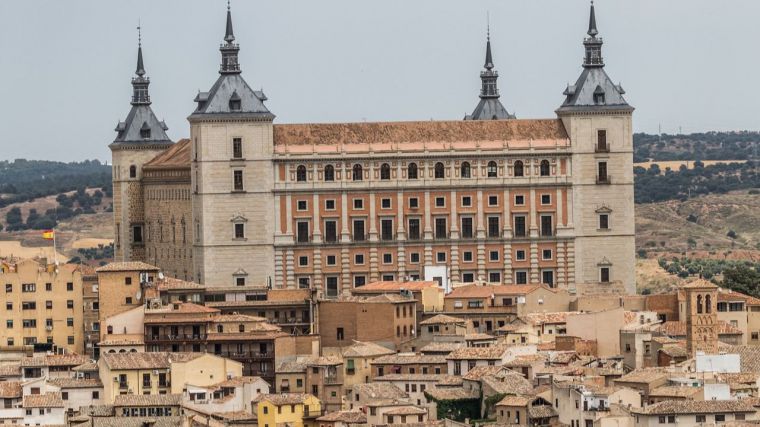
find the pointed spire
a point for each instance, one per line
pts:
(229, 48)
(592, 31)
(229, 36)
(140, 71)
(489, 59)
(593, 44)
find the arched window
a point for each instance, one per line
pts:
(519, 168)
(133, 351)
(398, 331)
(109, 329)
(545, 169)
(708, 304)
(133, 171)
(411, 171)
(241, 328)
(465, 170)
(439, 170)
(122, 351)
(357, 172)
(329, 173)
(385, 171)
(404, 330)
(301, 173)
(699, 304)
(492, 169)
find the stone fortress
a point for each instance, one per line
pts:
(247, 202)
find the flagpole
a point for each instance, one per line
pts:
(55, 252)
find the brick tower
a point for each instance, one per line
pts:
(701, 319)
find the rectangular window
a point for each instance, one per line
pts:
(358, 204)
(604, 274)
(546, 225)
(237, 148)
(330, 260)
(414, 229)
(330, 205)
(414, 258)
(520, 255)
(303, 261)
(546, 199)
(240, 231)
(8, 287)
(493, 255)
(441, 232)
(547, 278)
(386, 229)
(604, 222)
(331, 231)
(440, 256)
(602, 176)
(69, 286)
(70, 304)
(494, 277)
(414, 203)
(466, 201)
(521, 277)
(9, 323)
(358, 230)
(332, 286)
(388, 278)
(440, 202)
(302, 205)
(467, 256)
(385, 203)
(302, 229)
(237, 180)
(69, 321)
(48, 287)
(719, 418)
(240, 281)
(360, 281)
(601, 141)
(466, 229)
(137, 235)
(494, 230)
(28, 305)
(468, 277)
(493, 200)
(303, 283)
(387, 258)
(519, 199)
(9, 306)
(546, 254)
(519, 228)
(359, 259)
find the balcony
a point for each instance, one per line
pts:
(164, 384)
(178, 337)
(123, 386)
(333, 379)
(604, 179)
(246, 355)
(602, 148)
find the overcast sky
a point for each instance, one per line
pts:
(66, 65)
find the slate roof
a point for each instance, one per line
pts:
(141, 117)
(580, 96)
(217, 100)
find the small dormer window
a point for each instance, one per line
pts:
(599, 95)
(235, 102)
(144, 133)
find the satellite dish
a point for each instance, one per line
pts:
(161, 275)
(138, 295)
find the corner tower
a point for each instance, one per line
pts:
(139, 138)
(232, 178)
(599, 122)
(489, 107)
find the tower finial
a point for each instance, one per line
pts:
(140, 71)
(229, 49)
(489, 59)
(229, 36)
(592, 31)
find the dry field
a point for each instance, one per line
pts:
(676, 164)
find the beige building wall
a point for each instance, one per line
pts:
(594, 248)
(602, 327)
(203, 371)
(120, 291)
(42, 304)
(220, 259)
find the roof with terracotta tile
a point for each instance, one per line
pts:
(435, 378)
(485, 291)
(510, 383)
(236, 318)
(86, 367)
(122, 339)
(478, 372)
(279, 399)
(526, 360)
(10, 389)
(126, 266)
(380, 137)
(395, 286)
(172, 283)
(443, 319)
(749, 356)
(111, 421)
(54, 360)
(678, 329)
(238, 381)
(406, 410)
(515, 401)
(452, 393)
(668, 407)
(346, 417)
(440, 347)
(699, 284)
(13, 370)
(149, 360)
(46, 400)
(291, 367)
(549, 318)
(133, 400)
(494, 352)
(178, 155)
(75, 382)
(365, 349)
(649, 375)
(288, 294)
(409, 359)
(379, 391)
(675, 391)
(542, 411)
(675, 350)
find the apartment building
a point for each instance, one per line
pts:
(43, 304)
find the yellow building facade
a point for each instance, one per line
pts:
(292, 409)
(43, 304)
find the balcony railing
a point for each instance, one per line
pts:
(178, 337)
(602, 148)
(123, 386)
(245, 355)
(604, 179)
(332, 379)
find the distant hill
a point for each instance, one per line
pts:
(741, 145)
(25, 180)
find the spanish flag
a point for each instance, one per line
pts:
(48, 234)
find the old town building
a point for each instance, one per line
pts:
(331, 207)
